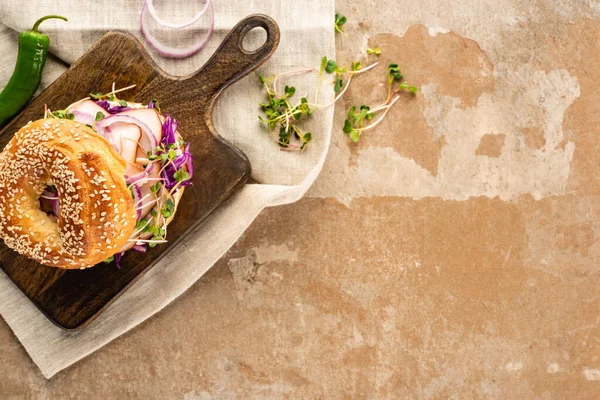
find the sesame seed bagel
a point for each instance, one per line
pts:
(97, 214)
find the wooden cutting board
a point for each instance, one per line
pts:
(72, 299)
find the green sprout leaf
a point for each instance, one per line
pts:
(157, 234)
(306, 138)
(365, 113)
(351, 112)
(348, 126)
(168, 209)
(355, 136)
(289, 91)
(99, 116)
(376, 51)
(155, 188)
(323, 65)
(181, 175)
(340, 20)
(156, 105)
(351, 131)
(339, 84)
(394, 72)
(141, 224)
(331, 66)
(356, 66)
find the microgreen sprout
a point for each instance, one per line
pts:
(332, 68)
(359, 121)
(356, 120)
(340, 20)
(395, 75)
(158, 233)
(354, 125)
(339, 87)
(376, 51)
(282, 114)
(110, 96)
(61, 114)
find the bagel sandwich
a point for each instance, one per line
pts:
(88, 183)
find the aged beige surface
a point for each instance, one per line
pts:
(452, 253)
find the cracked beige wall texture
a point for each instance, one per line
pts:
(452, 253)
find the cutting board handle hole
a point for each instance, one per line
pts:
(253, 40)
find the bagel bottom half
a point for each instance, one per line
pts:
(97, 214)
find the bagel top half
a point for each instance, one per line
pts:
(97, 214)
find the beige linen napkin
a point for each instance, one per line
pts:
(307, 35)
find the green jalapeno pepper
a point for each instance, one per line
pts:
(33, 49)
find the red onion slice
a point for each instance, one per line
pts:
(140, 248)
(152, 11)
(134, 179)
(172, 52)
(144, 175)
(53, 200)
(147, 202)
(150, 167)
(56, 208)
(137, 196)
(150, 117)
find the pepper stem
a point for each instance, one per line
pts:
(39, 21)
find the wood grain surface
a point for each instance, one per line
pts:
(72, 299)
